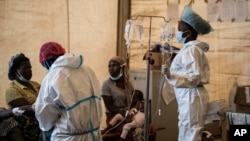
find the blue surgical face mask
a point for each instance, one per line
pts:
(21, 78)
(179, 37)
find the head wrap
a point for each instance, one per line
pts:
(14, 62)
(193, 19)
(118, 60)
(50, 49)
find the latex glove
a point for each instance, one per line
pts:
(165, 70)
(17, 111)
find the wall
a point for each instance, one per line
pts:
(82, 27)
(229, 52)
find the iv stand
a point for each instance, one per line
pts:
(146, 103)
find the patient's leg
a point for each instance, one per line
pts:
(126, 129)
(115, 119)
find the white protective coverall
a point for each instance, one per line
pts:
(70, 101)
(189, 71)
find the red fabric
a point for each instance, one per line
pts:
(50, 49)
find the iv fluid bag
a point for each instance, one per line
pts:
(167, 32)
(163, 30)
(129, 27)
(128, 35)
(140, 33)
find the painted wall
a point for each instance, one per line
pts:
(82, 27)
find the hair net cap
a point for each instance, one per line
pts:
(200, 25)
(49, 50)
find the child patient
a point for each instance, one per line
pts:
(135, 117)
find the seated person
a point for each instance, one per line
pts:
(117, 91)
(135, 117)
(9, 127)
(23, 91)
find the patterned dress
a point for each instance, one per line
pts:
(6, 125)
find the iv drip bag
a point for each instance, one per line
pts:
(140, 33)
(163, 30)
(128, 34)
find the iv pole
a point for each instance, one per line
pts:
(146, 103)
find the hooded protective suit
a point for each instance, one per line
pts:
(69, 101)
(189, 71)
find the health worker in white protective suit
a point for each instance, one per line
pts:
(69, 101)
(188, 73)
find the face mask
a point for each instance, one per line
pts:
(179, 37)
(21, 78)
(46, 65)
(117, 77)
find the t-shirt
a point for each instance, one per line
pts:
(119, 97)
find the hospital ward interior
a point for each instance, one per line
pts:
(190, 60)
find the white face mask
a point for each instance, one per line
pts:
(179, 37)
(21, 78)
(116, 78)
